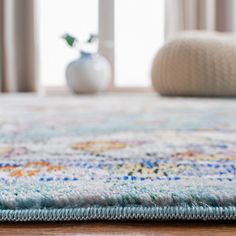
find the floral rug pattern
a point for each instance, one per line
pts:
(116, 151)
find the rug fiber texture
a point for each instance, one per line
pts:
(117, 157)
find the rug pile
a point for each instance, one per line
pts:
(117, 157)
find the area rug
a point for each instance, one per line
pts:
(117, 157)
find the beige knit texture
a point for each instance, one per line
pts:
(196, 64)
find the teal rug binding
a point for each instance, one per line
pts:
(117, 158)
(121, 213)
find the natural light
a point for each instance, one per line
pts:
(78, 17)
(137, 38)
(139, 33)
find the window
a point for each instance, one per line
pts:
(56, 17)
(138, 33)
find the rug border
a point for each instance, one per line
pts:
(120, 213)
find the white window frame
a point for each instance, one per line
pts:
(106, 31)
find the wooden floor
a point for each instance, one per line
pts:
(124, 228)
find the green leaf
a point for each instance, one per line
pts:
(92, 38)
(71, 40)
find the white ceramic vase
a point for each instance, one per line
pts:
(90, 73)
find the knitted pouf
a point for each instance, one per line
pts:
(196, 64)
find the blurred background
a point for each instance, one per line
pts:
(33, 55)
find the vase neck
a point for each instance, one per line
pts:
(86, 54)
